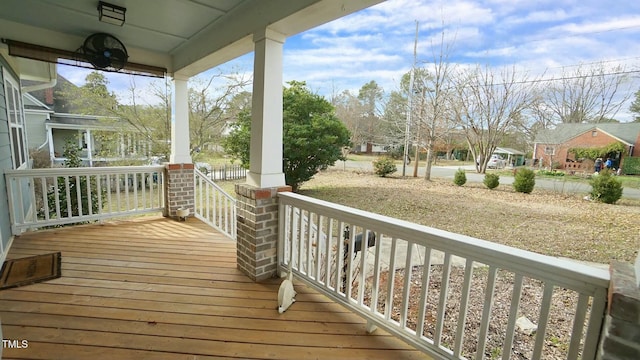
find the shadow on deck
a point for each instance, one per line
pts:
(154, 288)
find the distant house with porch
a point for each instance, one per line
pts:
(103, 140)
(513, 157)
(552, 147)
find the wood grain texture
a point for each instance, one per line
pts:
(154, 288)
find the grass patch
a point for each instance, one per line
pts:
(544, 221)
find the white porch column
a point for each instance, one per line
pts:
(89, 141)
(180, 122)
(52, 152)
(265, 157)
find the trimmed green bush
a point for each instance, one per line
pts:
(460, 178)
(384, 166)
(605, 188)
(491, 180)
(524, 181)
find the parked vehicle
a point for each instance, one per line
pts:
(496, 162)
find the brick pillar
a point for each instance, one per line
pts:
(179, 189)
(257, 232)
(620, 339)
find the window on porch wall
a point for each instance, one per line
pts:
(16, 122)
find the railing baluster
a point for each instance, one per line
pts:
(364, 246)
(99, 189)
(513, 315)
(79, 196)
(134, 184)
(424, 290)
(319, 248)
(543, 319)
(127, 191)
(486, 312)
(109, 199)
(404, 309)
(298, 240)
(391, 276)
(118, 193)
(340, 259)
(464, 302)
(442, 303)
(45, 200)
(89, 197)
(143, 188)
(578, 326)
(68, 198)
(348, 267)
(595, 323)
(329, 254)
(57, 197)
(309, 246)
(376, 274)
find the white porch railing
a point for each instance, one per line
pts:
(419, 283)
(57, 196)
(214, 206)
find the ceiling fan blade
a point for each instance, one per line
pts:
(118, 58)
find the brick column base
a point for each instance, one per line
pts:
(620, 339)
(257, 231)
(179, 189)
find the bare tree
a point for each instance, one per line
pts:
(209, 102)
(349, 110)
(435, 94)
(589, 94)
(486, 106)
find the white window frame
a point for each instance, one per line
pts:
(16, 122)
(549, 150)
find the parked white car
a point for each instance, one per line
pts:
(496, 162)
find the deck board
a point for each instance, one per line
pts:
(154, 288)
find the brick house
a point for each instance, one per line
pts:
(551, 146)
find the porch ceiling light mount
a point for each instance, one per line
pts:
(111, 14)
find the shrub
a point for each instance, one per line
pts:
(460, 177)
(605, 188)
(384, 166)
(491, 181)
(524, 181)
(88, 190)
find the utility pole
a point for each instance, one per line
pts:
(409, 105)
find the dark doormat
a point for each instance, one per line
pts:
(30, 270)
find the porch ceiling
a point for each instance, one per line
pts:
(184, 36)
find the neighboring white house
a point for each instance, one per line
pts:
(101, 139)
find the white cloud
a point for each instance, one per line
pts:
(538, 37)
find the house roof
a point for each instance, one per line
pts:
(510, 151)
(75, 121)
(627, 132)
(31, 103)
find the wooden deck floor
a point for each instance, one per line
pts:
(153, 288)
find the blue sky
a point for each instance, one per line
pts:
(537, 37)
